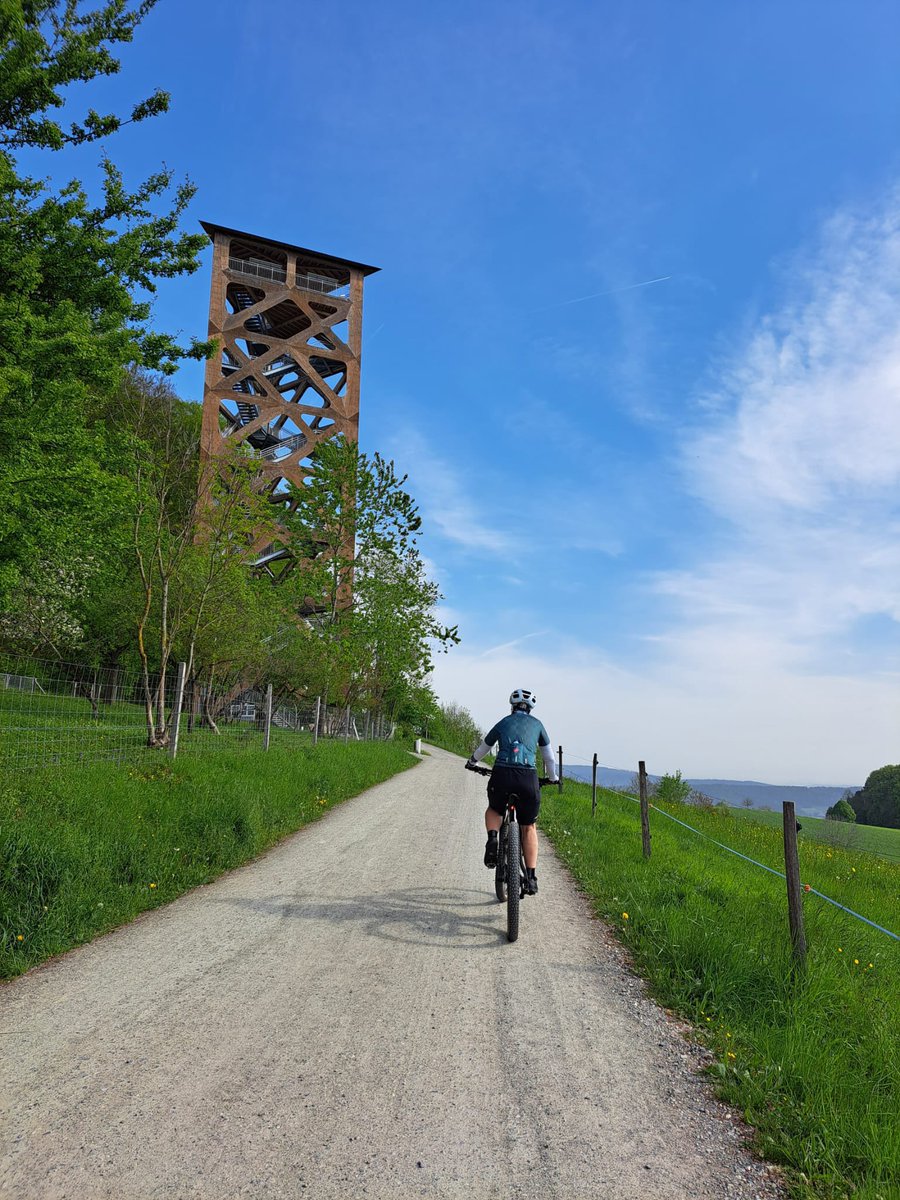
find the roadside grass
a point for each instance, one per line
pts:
(814, 1060)
(875, 839)
(83, 850)
(62, 731)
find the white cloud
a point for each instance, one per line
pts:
(753, 670)
(810, 407)
(800, 456)
(444, 496)
(742, 716)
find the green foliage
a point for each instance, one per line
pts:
(84, 850)
(878, 802)
(455, 729)
(46, 47)
(364, 578)
(842, 811)
(813, 1062)
(672, 789)
(75, 281)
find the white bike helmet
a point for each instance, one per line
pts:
(521, 697)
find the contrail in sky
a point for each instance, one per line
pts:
(629, 287)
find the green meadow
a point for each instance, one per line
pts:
(811, 1058)
(85, 849)
(872, 838)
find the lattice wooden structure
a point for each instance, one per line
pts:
(289, 321)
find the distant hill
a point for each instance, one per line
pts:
(811, 801)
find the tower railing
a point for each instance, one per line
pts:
(262, 270)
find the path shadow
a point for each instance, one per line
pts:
(423, 916)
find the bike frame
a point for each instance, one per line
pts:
(507, 885)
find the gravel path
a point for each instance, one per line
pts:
(344, 1018)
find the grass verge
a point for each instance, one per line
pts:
(813, 1061)
(84, 850)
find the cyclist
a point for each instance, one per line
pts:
(518, 738)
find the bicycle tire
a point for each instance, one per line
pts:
(513, 873)
(500, 869)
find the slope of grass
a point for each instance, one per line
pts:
(872, 838)
(812, 1060)
(85, 849)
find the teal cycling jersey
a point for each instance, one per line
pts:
(518, 737)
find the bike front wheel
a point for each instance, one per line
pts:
(512, 860)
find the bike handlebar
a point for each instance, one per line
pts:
(543, 781)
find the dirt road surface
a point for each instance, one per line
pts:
(344, 1018)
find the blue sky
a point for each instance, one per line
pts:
(670, 509)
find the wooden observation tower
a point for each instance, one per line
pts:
(289, 322)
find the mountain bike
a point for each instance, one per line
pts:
(509, 874)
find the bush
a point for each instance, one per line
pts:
(842, 811)
(672, 789)
(455, 729)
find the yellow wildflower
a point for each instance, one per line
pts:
(624, 916)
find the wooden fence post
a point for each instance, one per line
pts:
(792, 875)
(594, 786)
(560, 770)
(645, 809)
(267, 728)
(316, 720)
(176, 709)
(347, 726)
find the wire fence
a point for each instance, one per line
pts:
(62, 713)
(791, 861)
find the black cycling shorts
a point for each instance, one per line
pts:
(521, 782)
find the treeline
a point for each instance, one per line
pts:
(876, 803)
(111, 551)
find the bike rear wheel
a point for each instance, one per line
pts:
(500, 869)
(512, 858)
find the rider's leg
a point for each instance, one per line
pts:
(529, 845)
(492, 820)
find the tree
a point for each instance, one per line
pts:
(363, 577)
(75, 283)
(878, 802)
(841, 811)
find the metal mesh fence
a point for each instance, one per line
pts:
(60, 713)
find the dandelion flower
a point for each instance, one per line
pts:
(624, 916)
(19, 937)
(870, 966)
(730, 1055)
(840, 951)
(152, 885)
(856, 961)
